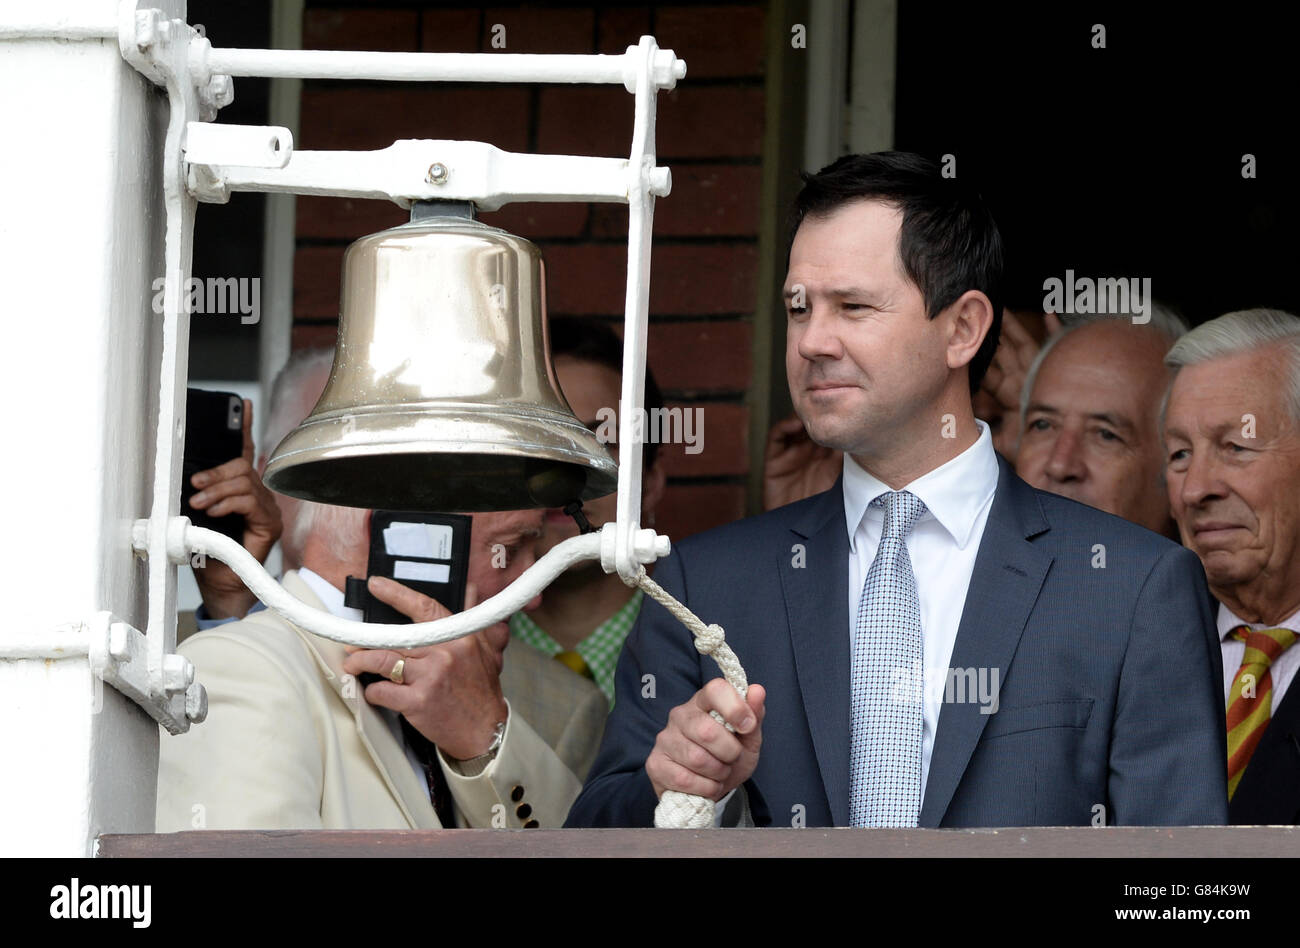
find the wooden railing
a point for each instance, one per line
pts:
(1121, 842)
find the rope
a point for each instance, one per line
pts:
(678, 810)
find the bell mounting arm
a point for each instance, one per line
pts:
(236, 158)
(207, 162)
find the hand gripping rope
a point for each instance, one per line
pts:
(678, 810)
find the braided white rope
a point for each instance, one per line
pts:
(678, 810)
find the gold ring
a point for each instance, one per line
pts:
(395, 676)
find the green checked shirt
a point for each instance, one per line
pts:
(599, 650)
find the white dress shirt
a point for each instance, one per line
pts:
(332, 599)
(1282, 671)
(942, 546)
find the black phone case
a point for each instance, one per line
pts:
(213, 435)
(381, 563)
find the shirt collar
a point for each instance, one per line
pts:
(1229, 621)
(953, 493)
(600, 649)
(330, 597)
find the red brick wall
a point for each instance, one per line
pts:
(705, 263)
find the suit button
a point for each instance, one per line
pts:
(523, 811)
(531, 825)
(516, 793)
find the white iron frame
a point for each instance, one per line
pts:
(204, 162)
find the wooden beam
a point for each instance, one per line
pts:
(1034, 842)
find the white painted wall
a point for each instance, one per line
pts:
(80, 242)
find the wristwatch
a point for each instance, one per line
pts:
(495, 746)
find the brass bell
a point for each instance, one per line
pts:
(442, 395)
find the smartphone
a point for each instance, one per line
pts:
(214, 434)
(427, 551)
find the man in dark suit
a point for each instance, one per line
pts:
(938, 644)
(1232, 437)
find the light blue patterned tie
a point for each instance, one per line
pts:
(885, 749)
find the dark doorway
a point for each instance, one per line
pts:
(1122, 161)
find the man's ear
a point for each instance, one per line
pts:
(970, 319)
(653, 483)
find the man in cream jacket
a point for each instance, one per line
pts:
(293, 740)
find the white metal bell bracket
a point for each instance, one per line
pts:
(208, 162)
(225, 158)
(118, 654)
(187, 538)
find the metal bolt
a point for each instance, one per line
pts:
(437, 173)
(177, 674)
(196, 704)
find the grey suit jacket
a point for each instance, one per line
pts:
(1109, 702)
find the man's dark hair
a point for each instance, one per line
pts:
(948, 242)
(590, 340)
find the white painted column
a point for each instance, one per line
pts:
(281, 212)
(851, 79)
(828, 54)
(81, 240)
(872, 77)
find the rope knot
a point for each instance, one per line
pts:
(708, 639)
(682, 809)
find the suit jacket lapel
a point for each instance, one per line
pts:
(376, 736)
(816, 601)
(1009, 572)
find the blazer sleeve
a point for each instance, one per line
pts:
(526, 781)
(1168, 755)
(255, 762)
(659, 669)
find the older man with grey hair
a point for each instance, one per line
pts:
(294, 393)
(1232, 436)
(459, 734)
(1089, 416)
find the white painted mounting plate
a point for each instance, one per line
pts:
(424, 170)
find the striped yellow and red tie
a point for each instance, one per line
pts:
(1250, 702)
